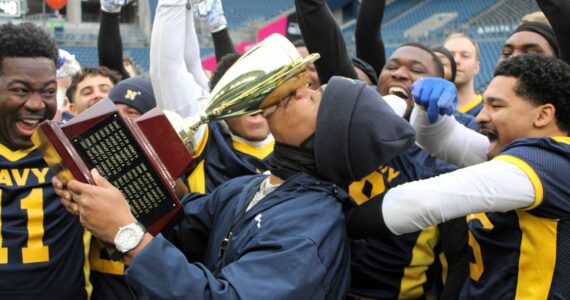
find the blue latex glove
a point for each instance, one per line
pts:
(437, 95)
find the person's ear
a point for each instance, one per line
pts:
(477, 67)
(73, 108)
(546, 115)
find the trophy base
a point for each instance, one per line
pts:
(141, 158)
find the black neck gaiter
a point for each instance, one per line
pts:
(288, 160)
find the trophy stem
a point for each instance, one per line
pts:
(186, 128)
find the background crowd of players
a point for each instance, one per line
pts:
(343, 214)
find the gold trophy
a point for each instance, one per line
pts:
(142, 158)
(263, 76)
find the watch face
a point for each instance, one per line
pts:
(128, 237)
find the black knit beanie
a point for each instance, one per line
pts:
(135, 92)
(366, 68)
(449, 56)
(356, 131)
(544, 30)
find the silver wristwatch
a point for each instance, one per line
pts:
(128, 237)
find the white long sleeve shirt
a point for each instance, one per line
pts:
(494, 185)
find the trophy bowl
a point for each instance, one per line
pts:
(264, 75)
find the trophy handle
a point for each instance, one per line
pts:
(186, 128)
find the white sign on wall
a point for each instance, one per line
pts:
(10, 8)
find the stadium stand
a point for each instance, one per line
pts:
(239, 12)
(464, 9)
(488, 21)
(87, 55)
(490, 51)
(505, 12)
(396, 8)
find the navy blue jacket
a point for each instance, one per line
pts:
(291, 245)
(220, 158)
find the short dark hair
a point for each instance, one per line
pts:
(453, 64)
(26, 40)
(460, 35)
(436, 61)
(91, 71)
(540, 80)
(225, 63)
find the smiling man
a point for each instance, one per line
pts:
(42, 254)
(21, 117)
(407, 64)
(517, 203)
(400, 267)
(467, 57)
(531, 37)
(90, 87)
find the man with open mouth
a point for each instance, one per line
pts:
(381, 266)
(42, 251)
(516, 203)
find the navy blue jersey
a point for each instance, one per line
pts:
(472, 108)
(453, 250)
(398, 266)
(526, 253)
(107, 275)
(467, 120)
(220, 158)
(43, 247)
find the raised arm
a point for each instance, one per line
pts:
(223, 44)
(174, 87)
(192, 53)
(109, 43)
(557, 12)
(322, 35)
(368, 36)
(211, 14)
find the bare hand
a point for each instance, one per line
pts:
(102, 208)
(66, 197)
